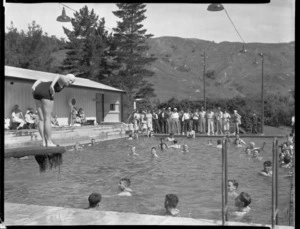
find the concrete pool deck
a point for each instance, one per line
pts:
(24, 214)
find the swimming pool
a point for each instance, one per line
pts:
(195, 177)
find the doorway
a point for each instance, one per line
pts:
(99, 108)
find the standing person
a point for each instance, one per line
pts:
(136, 120)
(226, 122)
(161, 120)
(210, 122)
(43, 92)
(202, 120)
(254, 123)
(196, 120)
(169, 120)
(175, 119)
(181, 122)
(219, 118)
(186, 121)
(149, 121)
(236, 121)
(156, 127)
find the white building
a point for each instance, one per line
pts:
(100, 102)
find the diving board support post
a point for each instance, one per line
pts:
(275, 184)
(224, 181)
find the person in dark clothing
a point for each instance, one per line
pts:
(254, 124)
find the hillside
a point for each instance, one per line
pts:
(179, 68)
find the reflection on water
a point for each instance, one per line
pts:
(195, 177)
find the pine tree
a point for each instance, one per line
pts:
(129, 48)
(87, 44)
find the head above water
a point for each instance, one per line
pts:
(171, 201)
(244, 199)
(219, 142)
(124, 183)
(94, 199)
(267, 164)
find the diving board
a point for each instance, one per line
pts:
(33, 151)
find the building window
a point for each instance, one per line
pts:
(112, 107)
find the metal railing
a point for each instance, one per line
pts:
(224, 181)
(275, 183)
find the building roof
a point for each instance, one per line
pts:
(34, 75)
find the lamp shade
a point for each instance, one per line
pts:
(215, 7)
(63, 17)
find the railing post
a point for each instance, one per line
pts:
(275, 184)
(224, 181)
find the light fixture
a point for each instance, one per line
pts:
(215, 7)
(63, 17)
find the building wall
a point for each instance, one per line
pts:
(20, 93)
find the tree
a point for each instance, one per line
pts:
(87, 44)
(129, 49)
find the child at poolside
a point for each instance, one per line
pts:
(94, 200)
(153, 152)
(238, 141)
(232, 187)
(242, 202)
(219, 144)
(267, 169)
(171, 138)
(124, 187)
(175, 145)
(171, 202)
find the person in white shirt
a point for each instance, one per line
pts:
(219, 117)
(175, 120)
(196, 120)
(202, 120)
(186, 120)
(136, 118)
(210, 122)
(17, 117)
(226, 122)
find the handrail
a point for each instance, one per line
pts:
(224, 181)
(275, 184)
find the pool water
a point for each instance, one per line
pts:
(194, 176)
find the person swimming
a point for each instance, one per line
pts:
(133, 153)
(123, 186)
(171, 201)
(242, 202)
(267, 169)
(209, 143)
(175, 145)
(238, 141)
(171, 138)
(219, 144)
(232, 187)
(185, 148)
(153, 152)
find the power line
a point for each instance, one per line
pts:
(234, 26)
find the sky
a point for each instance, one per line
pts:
(273, 22)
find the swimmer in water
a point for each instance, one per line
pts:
(185, 148)
(153, 152)
(242, 202)
(267, 169)
(191, 134)
(130, 137)
(94, 200)
(175, 145)
(238, 141)
(171, 138)
(133, 153)
(232, 187)
(162, 145)
(171, 201)
(209, 143)
(123, 186)
(255, 155)
(219, 144)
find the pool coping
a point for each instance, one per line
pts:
(27, 214)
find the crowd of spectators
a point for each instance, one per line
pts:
(171, 120)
